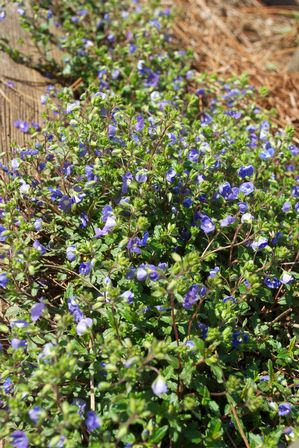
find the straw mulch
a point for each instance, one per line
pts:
(230, 37)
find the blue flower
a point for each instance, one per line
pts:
(207, 224)
(35, 414)
(39, 247)
(2, 230)
(37, 311)
(263, 378)
(74, 309)
(193, 294)
(187, 202)
(83, 325)
(159, 386)
(38, 223)
(259, 244)
(229, 299)
(243, 206)
(92, 421)
(193, 155)
(286, 278)
(70, 253)
(295, 191)
(247, 188)
(19, 439)
(84, 220)
(8, 385)
(239, 338)
(141, 274)
(287, 206)
(170, 175)
(140, 123)
(227, 221)
(85, 268)
(65, 203)
(246, 171)
(90, 176)
(72, 106)
(18, 343)
(129, 296)
(2, 15)
(214, 272)
(284, 409)
(141, 177)
(273, 283)
(109, 225)
(81, 404)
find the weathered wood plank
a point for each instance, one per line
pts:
(22, 99)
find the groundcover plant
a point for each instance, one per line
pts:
(148, 245)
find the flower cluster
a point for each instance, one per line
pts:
(148, 248)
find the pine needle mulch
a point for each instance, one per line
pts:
(231, 37)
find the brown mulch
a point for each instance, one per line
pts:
(230, 37)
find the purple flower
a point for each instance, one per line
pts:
(37, 311)
(207, 224)
(246, 188)
(74, 309)
(35, 414)
(159, 386)
(83, 325)
(90, 176)
(18, 343)
(284, 409)
(92, 421)
(170, 175)
(268, 152)
(65, 203)
(84, 220)
(286, 278)
(109, 225)
(19, 439)
(39, 247)
(7, 385)
(187, 202)
(214, 272)
(23, 126)
(19, 324)
(225, 190)
(272, 283)
(190, 344)
(72, 106)
(227, 221)
(141, 274)
(259, 244)
(239, 338)
(204, 330)
(141, 177)
(111, 130)
(38, 223)
(229, 299)
(2, 230)
(70, 253)
(81, 404)
(2, 15)
(140, 123)
(246, 171)
(243, 206)
(193, 155)
(264, 378)
(85, 268)
(287, 206)
(129, 296)
(193, 295)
